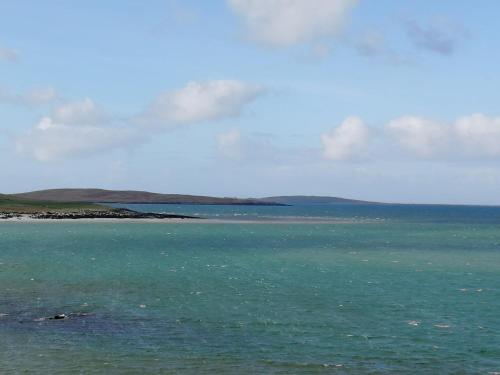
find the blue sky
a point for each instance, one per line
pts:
(380, 100)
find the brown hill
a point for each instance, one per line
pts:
(131, 196)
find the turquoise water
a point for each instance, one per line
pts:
(404, 294)
(358, 213)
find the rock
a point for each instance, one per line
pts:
(112, 214)
(59, 316)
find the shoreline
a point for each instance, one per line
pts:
(27, 219)
(117, 213)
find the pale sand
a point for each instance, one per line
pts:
(27, 219)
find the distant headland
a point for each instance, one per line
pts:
(12, 207)
(144, 197)
(94, 203)
(133, 196)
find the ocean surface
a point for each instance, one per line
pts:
(334, 289)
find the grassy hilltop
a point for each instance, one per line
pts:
(133, 196)
(14, 205)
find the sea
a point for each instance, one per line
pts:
(317, 289)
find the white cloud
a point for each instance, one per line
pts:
(50, 140)
(82, 112)
(201, 101)
(75, 129)
(82, 127)
(284, 23)
(470, 137)
(474, 136)
(8, 55)
(421, 136)
(479, 134)
(349, 140)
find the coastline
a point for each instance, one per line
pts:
(116, 213)
(30, 219)
(180, 220)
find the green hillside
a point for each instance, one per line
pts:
(132, 196)
(10, 204)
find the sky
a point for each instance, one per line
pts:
(393, 101)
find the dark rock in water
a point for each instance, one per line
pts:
(117, 213)
(59, 316)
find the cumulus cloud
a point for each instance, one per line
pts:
(283, 23)
(474, 136)
(50, 140)
(83, 127)
(33, 97)
(81, 112)
(479, 134)
(8, 55)
(346, 141)
(78, 128)
(439, 37)
(201, 101)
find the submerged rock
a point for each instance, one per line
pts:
(59, 316)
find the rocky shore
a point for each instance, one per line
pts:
(93, 214)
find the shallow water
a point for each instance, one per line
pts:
(334, 212)
(400, 295)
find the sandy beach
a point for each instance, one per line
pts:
(30, 220)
